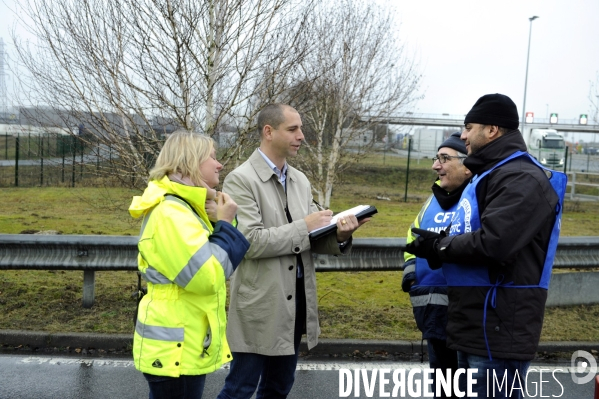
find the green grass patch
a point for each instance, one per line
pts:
(51, 301)
(94, 211)
(357, 305)
(367, 305)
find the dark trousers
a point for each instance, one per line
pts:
(441, 357)
(272, 375)
(183, 387)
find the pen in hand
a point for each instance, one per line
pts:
(319, 219)
(322, 208)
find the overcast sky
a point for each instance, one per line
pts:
(467, 48)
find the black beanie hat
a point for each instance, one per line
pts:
(494, 109)
(454, 142)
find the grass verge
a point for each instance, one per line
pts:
(358, 305)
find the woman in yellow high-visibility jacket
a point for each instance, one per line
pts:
(188, 247)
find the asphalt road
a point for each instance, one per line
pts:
(49, 377)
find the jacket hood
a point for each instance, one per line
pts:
(157, 189)
(495, 151)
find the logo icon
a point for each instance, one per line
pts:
(579, 366)
(157, 364)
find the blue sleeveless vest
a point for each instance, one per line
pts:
(467, 219)
(434, 219)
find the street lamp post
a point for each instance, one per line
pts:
(526, 76)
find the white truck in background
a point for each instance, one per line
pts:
(546, 145)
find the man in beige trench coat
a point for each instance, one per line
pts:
(273, 291)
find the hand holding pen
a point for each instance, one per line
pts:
(318, 219)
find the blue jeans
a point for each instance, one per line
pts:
(183, 387)
(496, 386)
(272, 375)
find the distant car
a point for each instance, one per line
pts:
(589, 150)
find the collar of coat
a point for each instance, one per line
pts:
(447, 200)
(263, 169)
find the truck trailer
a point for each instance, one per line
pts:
(547, 145)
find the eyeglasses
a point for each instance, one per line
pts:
(444, 158)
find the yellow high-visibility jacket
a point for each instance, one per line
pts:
(181, 322)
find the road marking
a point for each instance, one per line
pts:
(301, 366)
(63, 361)
(410, 366)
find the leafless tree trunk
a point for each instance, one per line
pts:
(131, 70)
(356, 74)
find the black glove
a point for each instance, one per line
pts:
(425, 246)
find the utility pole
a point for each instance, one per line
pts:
(526, 75)
(3, 94)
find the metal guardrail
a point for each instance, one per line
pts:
(386, 254)
(572, 183)
(69, 252)
(102, 253)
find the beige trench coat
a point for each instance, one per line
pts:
(262, 307)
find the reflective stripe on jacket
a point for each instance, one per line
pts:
(428, 293)
(181, 320)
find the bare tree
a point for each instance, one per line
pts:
(131, 70)
(356, 75)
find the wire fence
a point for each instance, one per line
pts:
(51, 160)
(34, 160)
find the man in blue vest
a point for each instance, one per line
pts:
(497, 258)
(427, 287)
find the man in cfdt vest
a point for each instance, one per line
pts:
(498, 255)
(427, 287)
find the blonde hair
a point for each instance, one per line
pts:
(183, 152)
